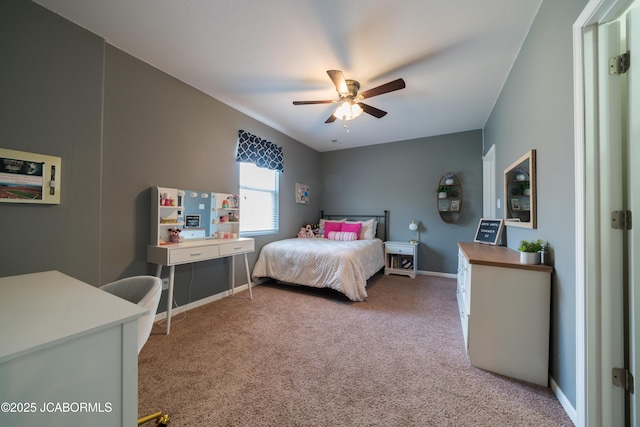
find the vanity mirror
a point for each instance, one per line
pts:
(520, 192)
(178, 215)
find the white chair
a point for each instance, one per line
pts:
(144, 291)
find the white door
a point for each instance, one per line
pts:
(633, 166)
(607, 179)
(611, 136)
(620, 190)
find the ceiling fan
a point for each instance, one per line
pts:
(350, 105)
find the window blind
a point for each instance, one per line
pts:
(258, 200)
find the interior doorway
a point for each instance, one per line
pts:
(606, 250)
(489, 183)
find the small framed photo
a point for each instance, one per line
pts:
(515, 204)
(192, 221)
(455, 205)
(302, 193)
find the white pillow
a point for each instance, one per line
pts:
(345, 236)
(367, 232)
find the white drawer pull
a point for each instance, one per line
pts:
(237, 248)
(196, 253)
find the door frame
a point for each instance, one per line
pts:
(591, 298)
(489, 183)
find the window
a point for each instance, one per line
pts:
(258, 200)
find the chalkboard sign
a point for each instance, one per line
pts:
(489, 231)
(192, 221)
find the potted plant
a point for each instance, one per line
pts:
(443, 191)
(526, 189)
(448, 178)
(530, 251)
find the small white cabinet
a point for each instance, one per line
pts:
(225, 215)
(401, 258)
(167, 213)
(504, 310)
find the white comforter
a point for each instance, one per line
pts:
(322, 263)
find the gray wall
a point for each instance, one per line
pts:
(535, 110)
(120, 126)
(160, 131)
(50, 103)
(402, 177)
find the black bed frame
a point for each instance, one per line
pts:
(383, 221)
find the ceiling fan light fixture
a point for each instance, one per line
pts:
(348, 110)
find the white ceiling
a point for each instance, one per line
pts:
(259, 56)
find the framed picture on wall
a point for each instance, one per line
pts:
(29, 177)
(302, 193)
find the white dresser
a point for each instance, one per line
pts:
(504, 310)
(69, 353)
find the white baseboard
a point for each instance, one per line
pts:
(566, 405)
(438, 274)
(200, 302)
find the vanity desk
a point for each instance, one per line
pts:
(192, 226)
(505, 311)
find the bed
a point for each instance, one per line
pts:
(344, 266)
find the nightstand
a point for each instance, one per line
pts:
(401, 258)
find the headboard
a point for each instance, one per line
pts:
(383, 221)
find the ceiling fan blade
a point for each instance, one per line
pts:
(372, 110)
(331, 119)
(312, 102)
(338, 80)
(385, 88)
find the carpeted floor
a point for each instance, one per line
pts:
(308, 357)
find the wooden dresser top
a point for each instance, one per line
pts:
(497, 256)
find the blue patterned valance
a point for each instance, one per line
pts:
(262, 153)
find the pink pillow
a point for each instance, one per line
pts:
(345, 236)
(352, 228)
(331, 226)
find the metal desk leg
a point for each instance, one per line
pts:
(233, 274)
(246, 266)
(172, 270)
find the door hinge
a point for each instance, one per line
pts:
(620, 64)
(621, 220)
(623, 378)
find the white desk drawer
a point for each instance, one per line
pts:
(238, 247)
(199, 253)
(393, 249)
